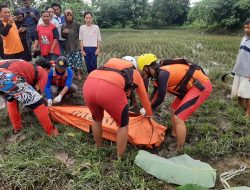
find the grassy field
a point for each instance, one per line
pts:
(218, 133)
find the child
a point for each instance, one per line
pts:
(241, 84)
(90, 41)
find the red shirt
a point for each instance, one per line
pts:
(46, 36)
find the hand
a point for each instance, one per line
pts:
(49, 102)
(97, 51)
(83, 53)
(11, 19)
(22, 29)
(32, 14)
(51, 51)
(143, 112)
(57, 99)
(66, 31)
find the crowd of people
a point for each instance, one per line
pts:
(64, 42)
(51, 34)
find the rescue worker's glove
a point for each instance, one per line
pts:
(49, 102)
(57, 99)
(143, 112)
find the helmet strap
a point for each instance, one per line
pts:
(147, 69)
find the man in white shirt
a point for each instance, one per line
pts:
(61, 20)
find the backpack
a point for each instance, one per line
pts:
(126, 73)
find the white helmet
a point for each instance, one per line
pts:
(131, 59)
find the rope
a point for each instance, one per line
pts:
(224, 177)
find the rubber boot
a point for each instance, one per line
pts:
(14, 115)
(42, 114)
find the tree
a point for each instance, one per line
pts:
(123, 12)
(106, 12)
(243, 9)
(170, 12)
(219, 13)
(140, 12)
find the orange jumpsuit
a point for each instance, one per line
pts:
(104, 90)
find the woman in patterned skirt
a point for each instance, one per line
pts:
(70, 31)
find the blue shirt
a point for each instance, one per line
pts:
(30, 21)
(68, 82)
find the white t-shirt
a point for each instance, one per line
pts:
(242, 66)
(90, 35)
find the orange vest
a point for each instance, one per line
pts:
(176, 74)
(12, 43)
(116, 78)
(58, 80)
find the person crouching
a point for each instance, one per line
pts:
(59, 81)
(22, 81)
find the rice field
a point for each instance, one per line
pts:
(218, 133)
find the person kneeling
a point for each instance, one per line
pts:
(59, 81)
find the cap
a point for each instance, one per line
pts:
(61, 62)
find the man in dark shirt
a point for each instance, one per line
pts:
(31, 17)
(22, 29)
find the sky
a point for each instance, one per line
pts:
(193, 1)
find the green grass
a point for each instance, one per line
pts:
(217, 132)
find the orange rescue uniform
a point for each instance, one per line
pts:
(105, 90)
(169, 77)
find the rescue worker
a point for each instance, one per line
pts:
(59, 81)
(106, 89)
(20, 81)
(133, 104)
(191, 86)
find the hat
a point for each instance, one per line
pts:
(18, 12)
(61, 62)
